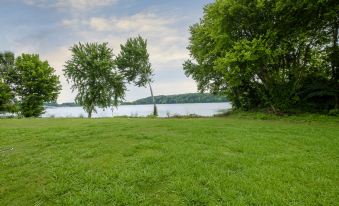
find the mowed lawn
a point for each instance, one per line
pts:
(209, 161)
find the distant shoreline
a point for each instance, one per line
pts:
(190, 98)
(124, 104)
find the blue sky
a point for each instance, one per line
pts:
(51, 27)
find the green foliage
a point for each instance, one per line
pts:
(6, 98)
(261, 53)
(7, 60)
(33, 82)
(94, 75)
(187, 161)
(133, 62)
(6, 93)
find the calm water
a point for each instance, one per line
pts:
(164, 110)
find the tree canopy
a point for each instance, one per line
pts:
(267, 54)
(133, 62)
(7, 60)
(30, 81)
(6, 93)
(93, 72)
(6, 98)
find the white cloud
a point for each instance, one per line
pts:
(70, 4)
(141, 22)
(166, 42)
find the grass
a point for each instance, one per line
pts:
(207, 161)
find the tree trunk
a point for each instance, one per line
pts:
(335, 62)
(155, 110)
(90, 111)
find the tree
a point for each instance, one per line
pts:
(33, 82)
(262, 53)
(6, 98)
(93, 72)
(6, 93)
(7, 60)
(133, 62)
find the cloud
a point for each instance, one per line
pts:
(141, 22)
(166, 42)
(70, 4)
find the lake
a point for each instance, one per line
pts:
(164, 110)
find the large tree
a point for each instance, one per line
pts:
(33, 82)
(264, 54)
(94, 75)
(133, 62)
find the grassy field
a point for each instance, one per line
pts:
(208, 161)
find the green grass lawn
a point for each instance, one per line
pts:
(208, 161)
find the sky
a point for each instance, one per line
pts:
(50, 27)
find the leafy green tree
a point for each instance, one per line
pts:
(6, 99)
(7, 60)
(6, 93)
(133, 62)
(318, 22)
(33, 82)
(262, 53)
(94, 75)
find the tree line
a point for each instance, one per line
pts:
(98, 77)
(277, 55)
(180, 99)
(161, 99)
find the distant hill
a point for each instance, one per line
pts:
(162, 99)
(68, 104)
(180, 99)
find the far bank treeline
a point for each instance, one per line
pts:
(180, 99)
(163, 99)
